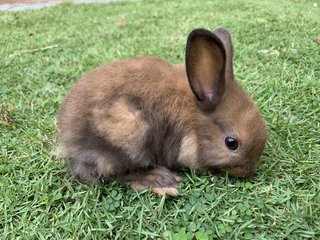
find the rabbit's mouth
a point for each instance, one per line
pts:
(216, 171)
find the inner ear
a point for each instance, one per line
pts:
(205, 66)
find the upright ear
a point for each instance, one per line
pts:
(209, 65)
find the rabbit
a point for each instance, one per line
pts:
(140, 119)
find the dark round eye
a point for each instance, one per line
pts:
(231, 143)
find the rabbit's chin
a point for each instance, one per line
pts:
(233, 172)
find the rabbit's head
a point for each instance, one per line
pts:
(235, 136)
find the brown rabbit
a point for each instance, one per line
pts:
(136, 119)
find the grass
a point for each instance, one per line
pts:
(276, 59)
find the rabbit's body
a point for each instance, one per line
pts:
(133, 121)
(138, 118)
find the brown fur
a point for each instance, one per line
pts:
(136, 119)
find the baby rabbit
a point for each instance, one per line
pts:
(137, 119)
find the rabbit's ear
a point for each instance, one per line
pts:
(225, 38)
(209, 65)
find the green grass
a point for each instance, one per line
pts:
(276, 60)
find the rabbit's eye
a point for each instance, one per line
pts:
(231, 143)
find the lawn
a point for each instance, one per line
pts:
(277, 60)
